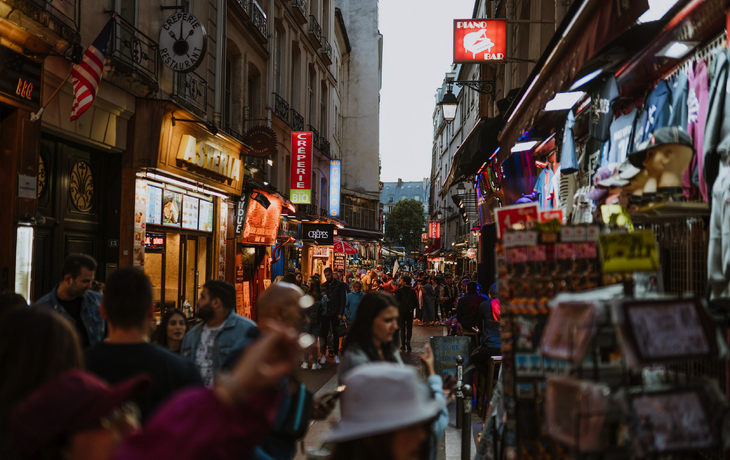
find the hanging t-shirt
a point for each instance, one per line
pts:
(544, 189)
(620, 138)
(204, 353)
(568, 156)
(697, 102)
(655, 114)
(679, 87)
(601, 113)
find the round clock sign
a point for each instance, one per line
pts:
(182, 42)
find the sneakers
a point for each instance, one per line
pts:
(305, 365)
(323, 360)
(337, 359)
(316, 367)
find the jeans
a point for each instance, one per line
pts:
(406, 327)
(325, 322)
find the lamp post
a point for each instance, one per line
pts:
(448, 105)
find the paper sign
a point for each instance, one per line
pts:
(629, 252)
(516, 217)
(27, 186)
(547, 216)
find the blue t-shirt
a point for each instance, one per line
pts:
(620, 138)
(351, 303)
(568, 156)
(656, 113)
(680, 109)
(544, 189)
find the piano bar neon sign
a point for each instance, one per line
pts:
(479, 40)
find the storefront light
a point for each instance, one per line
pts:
(676, 50)
(586, 79)
(185, 185)
(657, 10)
(23, 260)
(523, 146)
(270, 162)
(564, 101)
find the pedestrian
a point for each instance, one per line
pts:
(10, 301)
(371, 337)
(299, 278)
(283, 304)
(352, 302)
(468, 307)
(475, 276)
(77, 416)
(388, 285)
(407, 303)
(448, 297)
(36, 346)
(171, 331)
(335, 293)
(429, 302)
(209, 342)
(290, 278)
(74, 298)
(388, 413)
(128, 306)
(488, 321)
(312, 313)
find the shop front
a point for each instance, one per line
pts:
(318, 248)
(178, 225)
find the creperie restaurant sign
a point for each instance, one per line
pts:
(478, 40)
(301, 168)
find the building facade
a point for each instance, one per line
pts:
(393, 192)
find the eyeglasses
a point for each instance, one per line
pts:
(122, 418)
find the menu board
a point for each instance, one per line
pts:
(262, 225)
(171, 206)
(205, 219)
(190, 212)
(154, 205)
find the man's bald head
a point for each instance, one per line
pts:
(282, 302)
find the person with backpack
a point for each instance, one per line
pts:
(407, 303)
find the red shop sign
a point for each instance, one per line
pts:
(518, 216)
(434, 229)
(301, 168)
(479, 40)
(547, 216)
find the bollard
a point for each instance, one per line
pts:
(459, 393)
(466, 424)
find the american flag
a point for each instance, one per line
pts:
(86, 75)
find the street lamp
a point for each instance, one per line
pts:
(460, 190)
(439, 215)
(448, 105)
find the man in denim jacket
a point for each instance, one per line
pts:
(73, 298)
(210, 342)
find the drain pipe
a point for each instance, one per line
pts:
(561, 7)
(220, 59)
(270, 23)
(510, 8)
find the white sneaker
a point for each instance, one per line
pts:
(316, 367)
(323, 360)
(305, 365)
(337, 359)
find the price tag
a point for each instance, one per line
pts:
(509, 240)
(629, 252)
(530, 238)
(592, 233)
(580, 233)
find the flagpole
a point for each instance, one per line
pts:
(37, 115)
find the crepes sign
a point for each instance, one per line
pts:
(322, 234)
(479, 40)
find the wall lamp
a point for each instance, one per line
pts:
(448, 105)
(211, 127)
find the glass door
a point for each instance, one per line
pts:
(189, 271)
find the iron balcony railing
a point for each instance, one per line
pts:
(46, 12)
(326, 48)
(314, 29)
(191, 91)
(244, 5)
(297, 121)
(281, 108)
(258, 19)
(323, 212)
(324, 146)
(135, 49)
(232, 132)
(315, 135)
(301, 6)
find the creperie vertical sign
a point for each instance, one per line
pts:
(478, 40)
(434, 229)
(301, 168)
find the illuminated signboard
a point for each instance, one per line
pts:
(154, 242)
(301, 168)
(335, 174)
(479, 40)
(434, 229)
(261, 225)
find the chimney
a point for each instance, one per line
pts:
(400, 182)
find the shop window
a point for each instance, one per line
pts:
(296, 76)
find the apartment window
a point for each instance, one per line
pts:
(310, 90)
(128, 10)
(390, 198)
(323, 110)
(417, 198)
(337, 124)
(296, 65)
(228, 100)
(278, 61)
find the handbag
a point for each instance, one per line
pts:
(341, 329)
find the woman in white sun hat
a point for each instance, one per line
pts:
(388, 413)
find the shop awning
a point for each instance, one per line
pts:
(392, 252)
(435, 253)
(479, 145)
(367, 235)
(587, 28)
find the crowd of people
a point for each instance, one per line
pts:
(91, 375)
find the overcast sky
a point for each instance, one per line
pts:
(416, 54)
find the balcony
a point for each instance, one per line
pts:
(281, 108)
(326, 51)
(133, 62)
(299, 11)
(297, 121)
(315, 135)
(324, 147)
(191, 92)
(258, 20)
(315, 31)
(54, 22)
(244, 6)
(228, 129)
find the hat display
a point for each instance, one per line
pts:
(73, 402)
(669, 135)
(380, 398)
(621, 177)
(604, 172)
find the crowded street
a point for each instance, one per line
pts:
(364, 230)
